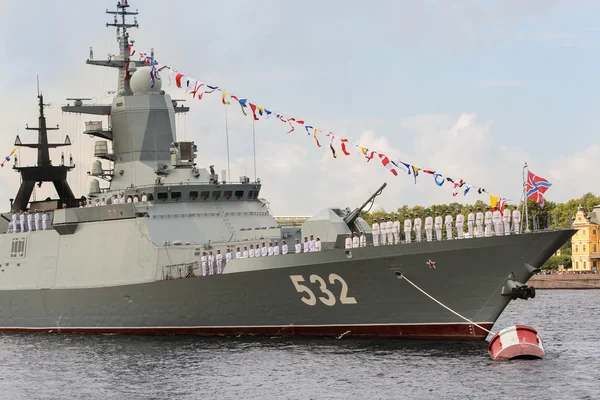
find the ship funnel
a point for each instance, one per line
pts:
(94, 186)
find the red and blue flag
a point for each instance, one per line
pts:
(536, 187)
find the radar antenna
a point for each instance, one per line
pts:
(122, 61)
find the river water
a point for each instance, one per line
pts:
(53, 366)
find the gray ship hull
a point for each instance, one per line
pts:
(357, 293)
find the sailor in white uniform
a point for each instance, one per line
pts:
(270, 249)
(136, 199)
(488, 222)
(471, 223)
(506, 220)
(245, 252)
(264, 251)
(211, 263)
(429, 227)
(251, 252)
(238, 253)
(29, 221)
(14, 221)
(348, 242)
(375, 231)
(479, 222)
(37, 220)
(203, 263)
(407, 229)
(144, 197)
(396, 230)
(516, 217)
(312, 243)
(22, 220)
(306, 245)
(355, 241)
(276, 249)
(318, 244)
(448, 223)
(362, 239)
(219, 262)
(438, 226)
(498, 223)
(298, 247)
(44, 221)
(460, 223)
(382, 231)
(129, 199)
(284, 248)
(257, 250)
(417, 228)
(390, 231)
(227, 257)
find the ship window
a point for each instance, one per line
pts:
(175, 195)
(256, 195)
(204, 195)
(227, 194)
(216, 194)
(239, 194)
(193, 195)
(250, 193)
(162, 195)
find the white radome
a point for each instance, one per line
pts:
(140, 81)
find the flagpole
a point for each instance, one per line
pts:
(227, 138)
(525, 167)
(254, 147)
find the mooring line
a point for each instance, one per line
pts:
(445, 306)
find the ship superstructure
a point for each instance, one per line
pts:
(134, 263)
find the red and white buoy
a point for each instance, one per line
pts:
(517, 341)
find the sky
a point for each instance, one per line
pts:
(471, 89)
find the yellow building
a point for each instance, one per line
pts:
(585, 244)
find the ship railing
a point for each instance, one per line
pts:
(183, 270)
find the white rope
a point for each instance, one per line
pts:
(446, 307)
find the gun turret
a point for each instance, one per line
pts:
(351, 217)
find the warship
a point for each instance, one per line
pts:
(136, 267)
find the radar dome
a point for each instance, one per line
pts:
(142, 83)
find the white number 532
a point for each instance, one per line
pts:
(329, 298)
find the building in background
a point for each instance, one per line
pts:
(585, 245)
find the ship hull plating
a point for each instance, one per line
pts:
(337, 292)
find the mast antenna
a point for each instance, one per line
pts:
(37, 77)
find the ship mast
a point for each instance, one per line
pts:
(123, 60)
(43, 171)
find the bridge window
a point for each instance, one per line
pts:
(193, 195)
(227, 194)
(162, 195)
(255, 195)
(239, 194)
(175, 195)
(216, 194)
(250, 194)
(204, 195)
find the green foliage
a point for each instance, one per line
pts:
(556, 261)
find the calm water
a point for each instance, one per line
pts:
(49, 366)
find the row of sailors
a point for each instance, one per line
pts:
(116, 199)
(31, 219)
(209, 260)
(492, 223)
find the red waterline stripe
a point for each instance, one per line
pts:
(430, 331)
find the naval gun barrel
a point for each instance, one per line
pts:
(350, 218)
